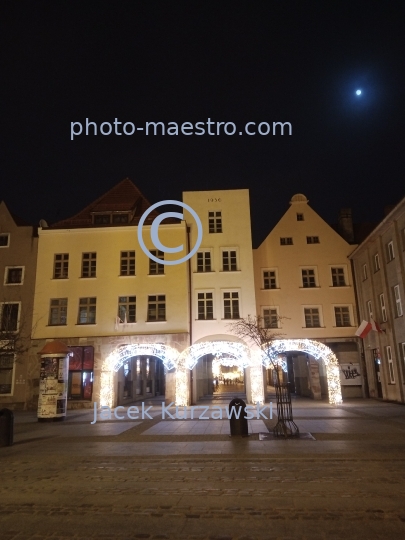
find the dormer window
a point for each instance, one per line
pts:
(115, 218)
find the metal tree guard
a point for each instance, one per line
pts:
(285, 427)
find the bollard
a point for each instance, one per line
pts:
(6, 427)
(238, 422)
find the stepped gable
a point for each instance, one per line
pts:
(124, 197)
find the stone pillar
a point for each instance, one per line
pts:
(53, 383)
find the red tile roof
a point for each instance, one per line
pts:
(124, 197)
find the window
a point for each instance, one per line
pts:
(215, 222)
(312, 239)
(89, 262)
(287, 241)
(312, 319)
(9, 316)
(338, 277)
(87, 311)
(300, 217)
(383, 308)
(157, 308)
(365, 275)
(403, 239)
(376, 262)
(4, 239)
(390, 251)
(308, 278)
(81, 365)
(205, 305)
(127, 263)
(370, 309)
(61, 266)
(390, 364)
(270, 317)
(58, 311)
(229, 261)
(342, 316)
(231, 305)
(398, 302)
(269, 279)
(402, 353)
(127, 309)
(204, 261)
(6, 372)
(102, 219)
(120, 218)
(14, 275)
(155, 268)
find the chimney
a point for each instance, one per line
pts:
(345, 225)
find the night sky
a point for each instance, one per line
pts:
(173, 61)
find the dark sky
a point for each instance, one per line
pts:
(255, 61)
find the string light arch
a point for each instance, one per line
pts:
(118, 357)
(316, 349)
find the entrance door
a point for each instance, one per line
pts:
(377, 368)
(290, 373)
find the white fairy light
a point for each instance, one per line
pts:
(316, 349)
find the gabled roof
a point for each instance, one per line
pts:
(124, 197)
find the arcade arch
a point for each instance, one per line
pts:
(319, 351)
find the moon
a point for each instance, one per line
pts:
(358, 92)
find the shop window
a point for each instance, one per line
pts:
(81, 370)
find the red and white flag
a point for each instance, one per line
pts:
(363, 329)
(375, 326)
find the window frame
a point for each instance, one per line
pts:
(369, 306)
(344, 274)
(383, 308)
(320, 316)
(59, 306)
(300, 216)
(275, 277)
(204, 253)
(365, 272)
(159, 269)
(158, 303)
(315, 277)
(203, 302)
(270, 315)
(231, 306)
(229, 251)
(349, 313)
(285, 241)
(390, 251)
(128, 260)
(92, 264)
(398, 301)
(63, 261)
(89, 305)
(313, 240)
(128, 304)
(377, 265)
(215, 225)
(7, 269)
(17, 328)
(8, 240)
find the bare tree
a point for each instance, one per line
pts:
(255, 331)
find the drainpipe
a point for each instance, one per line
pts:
(190, 318)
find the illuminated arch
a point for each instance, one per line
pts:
(319, 351)
(116, 359)
(239, 353)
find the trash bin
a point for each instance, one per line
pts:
(6, 427)
(237, 421)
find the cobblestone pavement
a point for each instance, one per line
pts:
(124, 484)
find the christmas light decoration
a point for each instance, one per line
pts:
(316, 349)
